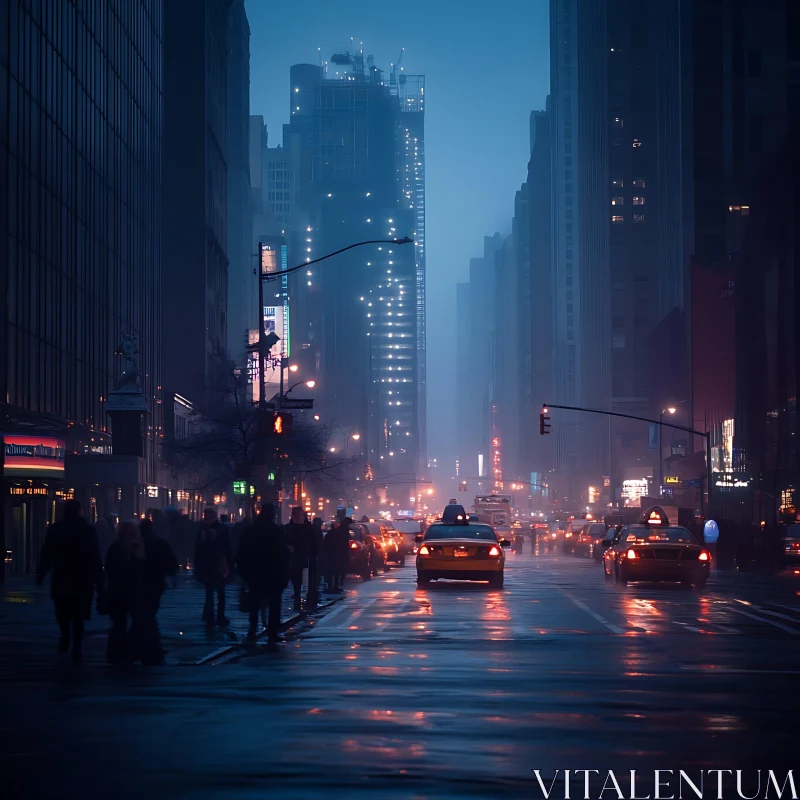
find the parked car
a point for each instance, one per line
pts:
(389, 544)
(360, 554)
(377, 555)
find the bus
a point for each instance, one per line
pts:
(494, 509)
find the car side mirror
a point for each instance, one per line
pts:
(505, 543)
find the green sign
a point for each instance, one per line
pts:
(272, 477)
(240, 487)
(252, 490)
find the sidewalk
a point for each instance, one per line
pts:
(27, 620)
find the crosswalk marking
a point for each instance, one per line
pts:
(768, 621)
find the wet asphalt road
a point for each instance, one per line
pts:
(454, 691)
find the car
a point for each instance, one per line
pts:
(589, 539)
(606, 542)
(461, 550)
(409, 529)
(655, 550)
(389, 544)
(377, 556)
(791, 546)
(360, 553)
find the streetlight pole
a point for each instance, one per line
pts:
(671, 410)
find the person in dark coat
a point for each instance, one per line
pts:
(319, 561)
(337, 555)
(70, 550)
(264, 563)
(301, 537)
(213, 562)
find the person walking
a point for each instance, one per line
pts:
(263, 561)
(71, 552)
(300, 535)
(160, 564)
(337, 555)
(317, 560)
(212, 566)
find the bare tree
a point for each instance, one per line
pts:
(233, 439)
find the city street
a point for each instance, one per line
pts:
(452, 691)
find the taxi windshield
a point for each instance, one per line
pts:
(671, 535)
(483, 532)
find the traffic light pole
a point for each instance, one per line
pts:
(705, 434)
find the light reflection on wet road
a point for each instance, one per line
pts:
(451, 691)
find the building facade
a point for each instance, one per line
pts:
(241, 281)
(81, 123)
(194, 280)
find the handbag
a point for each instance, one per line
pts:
(245, 600)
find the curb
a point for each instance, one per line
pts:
(225, 654)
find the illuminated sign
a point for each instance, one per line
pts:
(711, 532)
(672, 479)
(240, 487)
(633, 489)
(29, 456)
(269, 259)
(152, 491)
(729, 480)
(28, 490)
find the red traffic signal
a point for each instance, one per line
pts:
(544, 423)
(281, 422)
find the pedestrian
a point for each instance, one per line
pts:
(70, 550)
(161, 564)
(212, 566)
(337, 554)
(319, 560)
(300, 535)
(263, 561)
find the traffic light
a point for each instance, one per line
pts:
(281, 422)
(544, 422)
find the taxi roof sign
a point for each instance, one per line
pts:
(654, 515)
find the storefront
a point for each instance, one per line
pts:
(33, 487)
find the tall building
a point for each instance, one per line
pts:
(194, 279)
(619, 252)
(542, 361)
(241, 311)
(355, 149)
(80, 166)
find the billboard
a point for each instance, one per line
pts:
(33, 457)
(275, 320)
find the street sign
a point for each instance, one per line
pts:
(296, 405)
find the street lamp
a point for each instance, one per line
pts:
(667, 410)
(310, 384)
(356, 436)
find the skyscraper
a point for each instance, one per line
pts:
(195, 187)
(241, 281)
(80, 168)
(355, 143)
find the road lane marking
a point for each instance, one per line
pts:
(768, 621)
(687, 627)
(331, 614)
(773, 613)
(613, 628)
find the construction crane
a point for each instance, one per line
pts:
(395, 66)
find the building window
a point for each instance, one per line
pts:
(637, 143)
(617, 219)
(638, 183)
(617, 123)
(638, 201)
(618, 201)
(618, 341)
(638, 218)
(618, 183)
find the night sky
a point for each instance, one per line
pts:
(486, 67)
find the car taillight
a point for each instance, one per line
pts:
(423, 551)
(704, 556)
(631, 554)
(353, 546)
(494, 550)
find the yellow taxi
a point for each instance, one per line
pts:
(461, 550)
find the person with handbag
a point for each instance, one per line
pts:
(263, 561)
(212, 566)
